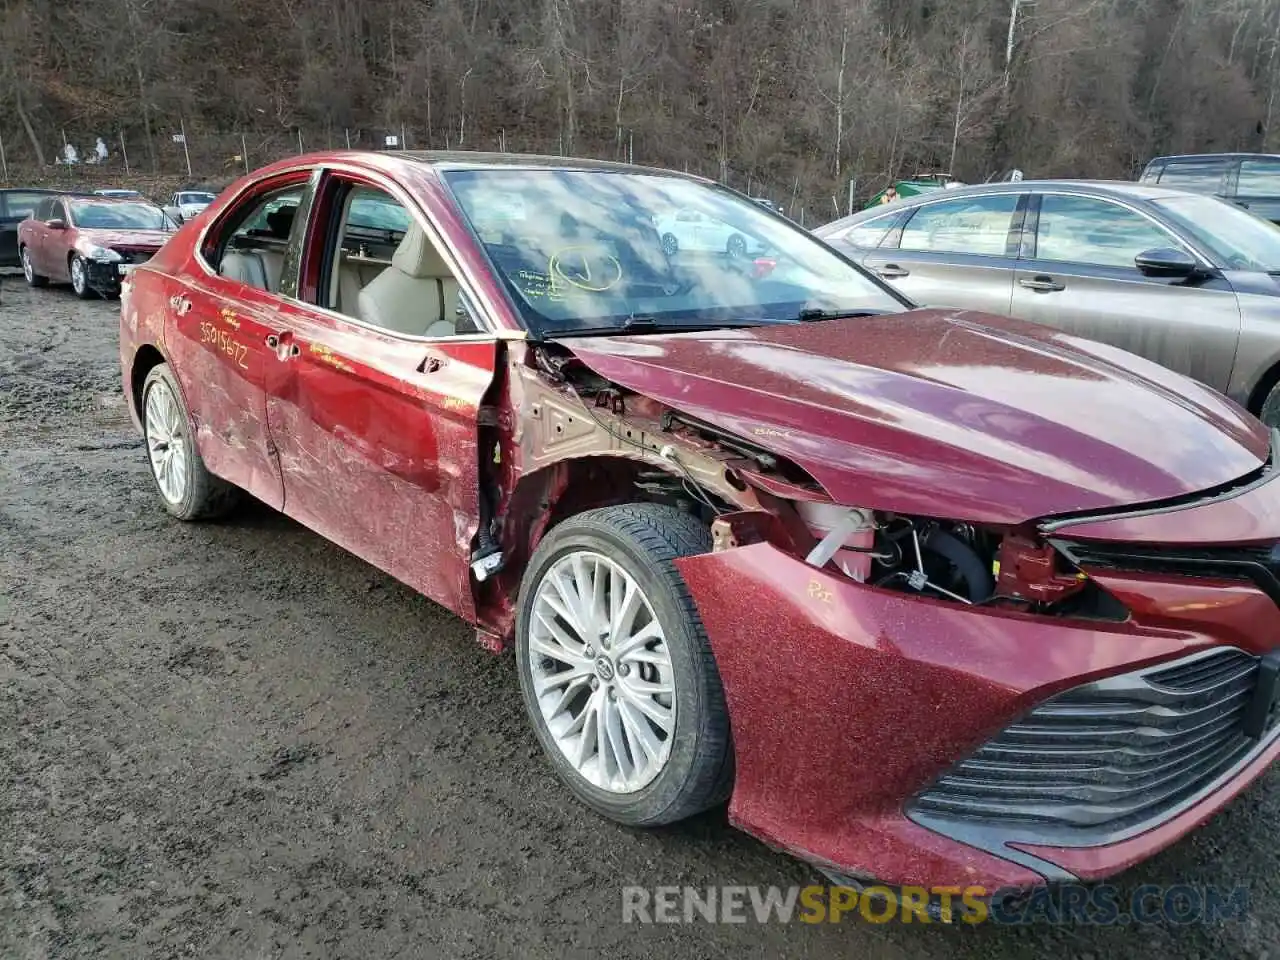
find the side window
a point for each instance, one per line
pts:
(870, 233)
(61, 211)
(1095, 232)
(252, 243)
(978, 225)
(19, 205)
(382, 269)
(1259, 178)
(44, 210)
(1197, 176)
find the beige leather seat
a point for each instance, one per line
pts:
(245, 266)
(416, 295)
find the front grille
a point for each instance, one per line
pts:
(1260, 564)
(1108, 756)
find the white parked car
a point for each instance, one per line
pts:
(186, 204)
(691, 230)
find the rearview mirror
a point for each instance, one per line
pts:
(1166, 262)
(57, 223)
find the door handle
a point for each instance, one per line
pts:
(180, 304)
(273, 341)
(1042, 284)
(891, 271)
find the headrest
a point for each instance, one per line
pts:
(280, 222)
(418, 257)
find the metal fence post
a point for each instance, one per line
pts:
(4, 164)
(244, 153)
(186, 151)
(124, 153)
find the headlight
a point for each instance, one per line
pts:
(103, 254)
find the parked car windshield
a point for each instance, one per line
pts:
(97, 215)
(195, 198)
(1238, 238)
(585, 251)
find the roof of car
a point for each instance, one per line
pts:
(467, 159)
(1215, 156)
(44, 190)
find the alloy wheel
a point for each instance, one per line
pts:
(166, 442)
(602, 672)
(77, 276)
(28, 271)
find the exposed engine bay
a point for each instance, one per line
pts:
(745, 493)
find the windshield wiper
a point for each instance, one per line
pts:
(814, 314)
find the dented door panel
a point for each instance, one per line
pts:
(378, 446)
(216, 332)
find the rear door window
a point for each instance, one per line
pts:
(19, 204)
(1096, 232)
(1259, 178)
(869, 234)
(975, 225)
(1197, 176)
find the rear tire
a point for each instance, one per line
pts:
(670, 245)
(186, 487)
(29, 272)
(691, 764)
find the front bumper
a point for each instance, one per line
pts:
(104, 276)
(847, 703)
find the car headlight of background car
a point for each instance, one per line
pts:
(92, 251)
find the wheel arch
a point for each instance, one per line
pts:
(1262, 387)
(145, 359)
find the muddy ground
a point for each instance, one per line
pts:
(236, 740)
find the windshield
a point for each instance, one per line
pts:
(119, 216)
(195, 198)
(1237, 238)
(584, 251)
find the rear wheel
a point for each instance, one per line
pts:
(670, 245)
(33, 279)
(737, 246)
(80, 278)
(187, 488)
(617, 675)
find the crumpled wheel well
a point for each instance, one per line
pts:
(144, 361)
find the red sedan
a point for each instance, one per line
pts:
(931, 596)
(90, 241)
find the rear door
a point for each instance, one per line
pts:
(1257, 187)
(221, 339)
(1210, 175)
(378, 429)
(958, 252)
(1079, 276)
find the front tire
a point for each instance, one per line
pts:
(80, 278)
(670, 245)
(616, 673)
(736, 247)
(186, 487)
(29, 271)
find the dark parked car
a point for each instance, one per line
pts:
(1185, 280)
(15, 206)
(1251, 180)
(875, 575)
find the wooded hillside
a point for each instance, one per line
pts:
(788, 97)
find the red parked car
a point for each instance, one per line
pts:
(931, 596)
(90, 241)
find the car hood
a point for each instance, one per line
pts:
(950, 414)
(125, 238)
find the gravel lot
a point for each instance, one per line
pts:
(235, 740)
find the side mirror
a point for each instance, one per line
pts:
(57, 223)
(1166, 262)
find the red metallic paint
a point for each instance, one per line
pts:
(844, 699)
(1250, 516)
(851, 699)
(51, 250)
(943, 414)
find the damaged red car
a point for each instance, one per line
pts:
(90, 241)
(929, 596)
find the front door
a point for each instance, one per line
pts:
(377, 429)
(1080, 277)
(1257, 187)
